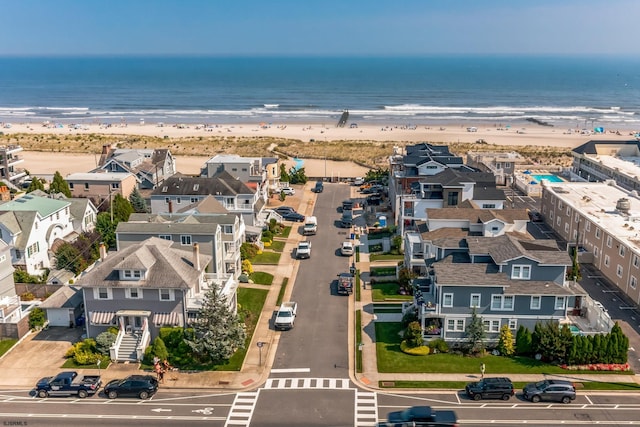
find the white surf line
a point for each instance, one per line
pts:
(288, 371)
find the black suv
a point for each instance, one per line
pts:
(551, 390)
(491, 388)
(141, 386)
(319, 187)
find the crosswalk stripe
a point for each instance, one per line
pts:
(366, 411)
(307, 383)
(242, 409)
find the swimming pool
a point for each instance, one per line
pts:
(575, 330)
(548, 177)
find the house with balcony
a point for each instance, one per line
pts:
(146, 286)
(181, 191)
(10, 159)
(83, 212)
(101, 185)
(509, 280)
(150, 166)
(446, 229)
(218, 235)
(30, 225)
(502, 165)
(260, 172)
(14, 318)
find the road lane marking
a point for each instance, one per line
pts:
(292, 370)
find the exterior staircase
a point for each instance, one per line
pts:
(128, 345)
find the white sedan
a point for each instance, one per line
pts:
(288, 191)
(346, 249)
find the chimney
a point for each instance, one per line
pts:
(170, 206)
(103, 251)
(196, 256)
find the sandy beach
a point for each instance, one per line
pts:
(533, 135)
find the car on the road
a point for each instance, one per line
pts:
(490, 388)
(293, 216)
(288, 191)
(550, 390)
(319, 187)
(422, 416)
(374, 199)
(346, 249)
(535, 216)
(140, 386)
(284, 209)
(303, 250)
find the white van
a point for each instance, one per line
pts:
(358, 181)
(310, 226)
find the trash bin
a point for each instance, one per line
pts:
(352, 236)
(383, 221)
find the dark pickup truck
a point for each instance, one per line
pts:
(68, 384)
(345, 284)
(422, 416)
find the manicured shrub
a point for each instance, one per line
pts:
(36, 318)
(438, 346)
(422, 350)
(104, 341)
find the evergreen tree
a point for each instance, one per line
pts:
(107, 229)
(597, 348)
(284, 176)
(566, 341)
(622, 353)
(122, 209)
(572, 354)
(505, 343)
(59, 185)
(297, 176)
(475, 333)
(413, 335)
(523, 341)
(36, 184)
(217, 333)
(138, 203)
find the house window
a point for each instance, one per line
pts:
(521, 272)
(489, 206)
(137, 274)
(609, 241)
(475, 300)
(194, 200)
(536, 302)
(164, 236)
(502, 302)
(566, 228)
(619, 270)
(606, 260)
(228, 229)
(167, 200)
(178, 200)
(636, 261)
(166, 294)
(452, 199)
(633, 282)
(3, 258)
(86, 186)
(577, 217)
(102, 293)
(513, 324)
(491, 325)
(494, 228)
(560, 303)
(133, 293)
(33, 249)
(597, 233)
(551, 216)
(559, 221)
(622, 251)
(447, 300)
(185, 239)
(560, 205)
(595, 251)
(115, 185)
(127, 274)
(71, 186)
(575, 235)
(588, 226)
(568, 211)
(455, 325)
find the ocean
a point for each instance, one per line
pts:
(566, 92)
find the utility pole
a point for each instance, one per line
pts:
(111, 204)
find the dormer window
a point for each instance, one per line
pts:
(132, 274)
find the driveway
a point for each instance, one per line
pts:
(38, 355)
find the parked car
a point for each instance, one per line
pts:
(358, 181)
(68, 383)
(491, 388)
(346, 249)
(535, 216)
(303, 250)
(284, 209)
(140, 386)
(319, 187)
(373, 189)
(288, 191)
(293, 216)
(374, 199)
(550, 390)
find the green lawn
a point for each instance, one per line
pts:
(277, 245)
(385, 257)
(383, 271)
(388, 291)
(6, 344)
(71, 364)
(391, 359)
(261, 278)
(266, 258)
(285, 232)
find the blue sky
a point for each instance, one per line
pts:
(318, 27)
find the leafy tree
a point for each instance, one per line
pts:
(549, 342)
(284, 176)
(217, 331)
(122, 209)
(36, 184)
(21, 276)
(574, 273)
(106, 228)
(69, 258)
(297, 176)
(138, 203)
(248, 250)
(59, 185)
(36, 317)
(380, 174)
(505, 343)
(104, 341)
(523, 341)
(413, 335)
(157, 349)
(475, 333)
